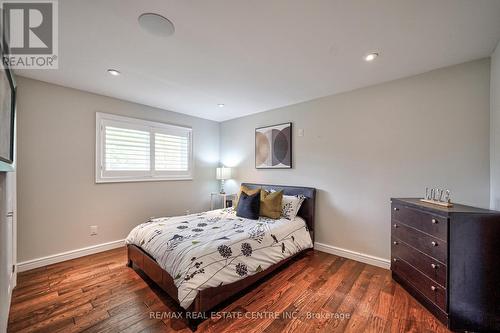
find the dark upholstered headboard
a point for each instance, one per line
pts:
(308, 206)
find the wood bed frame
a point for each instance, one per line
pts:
(208, 298)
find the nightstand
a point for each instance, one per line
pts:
(220, 196)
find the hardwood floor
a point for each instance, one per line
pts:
(98, 293)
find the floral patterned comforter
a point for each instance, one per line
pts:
(214, 248)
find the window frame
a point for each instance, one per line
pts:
(152, 127)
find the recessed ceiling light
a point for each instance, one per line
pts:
(221, 105)
(113, 72)
(371, 56)
(156, 24)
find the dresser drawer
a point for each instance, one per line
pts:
(427, 265)
(429, 245)
(434, 225)
(435, 293)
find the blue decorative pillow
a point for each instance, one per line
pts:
(249, 206)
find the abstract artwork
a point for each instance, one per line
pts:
(273, 147)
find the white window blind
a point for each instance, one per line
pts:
(126, 149)
(171, 152)
(129, 149)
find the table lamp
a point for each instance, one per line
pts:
(222, 174)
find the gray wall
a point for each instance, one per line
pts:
(390, 140)
(58, 197)
(495, 129)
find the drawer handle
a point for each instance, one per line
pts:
(395, 225)
(396, 209)
(395, 243)
(434, 243)
(434, 266)
(434, 221)
(433, 288)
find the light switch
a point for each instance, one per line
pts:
(301, 132)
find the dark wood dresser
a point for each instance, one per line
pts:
(449, 260)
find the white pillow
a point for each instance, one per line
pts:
(290, 206)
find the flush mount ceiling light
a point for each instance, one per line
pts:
(371, 56)
(113, 72)
(156, 24)
(221, 105)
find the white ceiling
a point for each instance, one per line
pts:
(256, 55)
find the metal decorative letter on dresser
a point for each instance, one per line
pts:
(449, 260)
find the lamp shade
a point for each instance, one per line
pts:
(223, 173)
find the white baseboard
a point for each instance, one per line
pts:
(63, 256)
(362, 257)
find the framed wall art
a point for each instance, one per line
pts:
(273, 147)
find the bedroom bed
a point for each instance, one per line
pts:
(201, 260)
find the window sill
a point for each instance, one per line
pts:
(135, 180)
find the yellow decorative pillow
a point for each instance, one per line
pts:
(270, 204)
(247, 191)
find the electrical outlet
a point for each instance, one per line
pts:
(93, 230)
